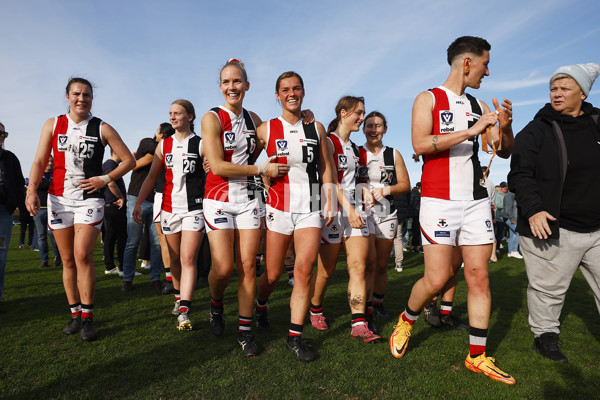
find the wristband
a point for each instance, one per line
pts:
(105, 178)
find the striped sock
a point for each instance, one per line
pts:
(446, 307)
(168, 276)
(245, 324)
(316, 310)
(87, 311)
(261, 306)
(358, 319)
(290, 270)
(295, 330)
(75, 310)
(177, 294)
(477, 341)
(185, 306)
(216, 305)
(369, 308)
(410, 316)
(377, 299)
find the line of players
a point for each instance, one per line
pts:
(324, 191)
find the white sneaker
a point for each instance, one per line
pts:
(134, 274)
(515, 254)
(145, 266)
(398, 267)
(501, 246)
(114, 271)
(291, 281)
(183, 322)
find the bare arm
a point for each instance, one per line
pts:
(259, 145)
(149, 183)
(144, 161)
(114, 189)
(424, 142)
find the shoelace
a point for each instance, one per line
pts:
(484, 147)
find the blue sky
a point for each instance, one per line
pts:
(142, 55)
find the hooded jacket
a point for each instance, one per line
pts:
(538, 164)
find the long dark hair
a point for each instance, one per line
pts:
(348, 103)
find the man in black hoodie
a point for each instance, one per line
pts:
(555, 175)
(12, 195)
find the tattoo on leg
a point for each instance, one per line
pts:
(355, 301)
(434, 141)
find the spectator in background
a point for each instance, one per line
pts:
(115, 218)
(25, 237)
(165, 130)
(510, 218)
(12, 194)
(401, 203)
(143, 156)
(555, 175)
(41, 220)
(499, 203)
(414, 207)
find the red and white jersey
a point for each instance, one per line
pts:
(238, 137)
(454, 174)
(381, 170)
(184, 175)
(78, 154)
(297, 145)
(346, 161)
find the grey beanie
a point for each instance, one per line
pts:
(584, 75)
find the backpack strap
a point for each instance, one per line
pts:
(563, 153)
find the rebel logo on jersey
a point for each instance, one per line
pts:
(169, 160)
(62, 142)
(342, 162)
(446, 120)
(282, 148)
(230, 143)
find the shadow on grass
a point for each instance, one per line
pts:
(583, 307)
(575, 385)
(508, 286)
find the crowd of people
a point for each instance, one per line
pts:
(323, 192)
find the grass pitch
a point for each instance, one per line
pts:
(140, 354)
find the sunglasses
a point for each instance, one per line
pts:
(3, 134)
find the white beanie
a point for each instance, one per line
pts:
(584, 75)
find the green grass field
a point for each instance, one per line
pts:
(140, 354)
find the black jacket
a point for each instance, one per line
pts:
(537, 166)
(414, 205)
(401, 203)
(13, 180)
